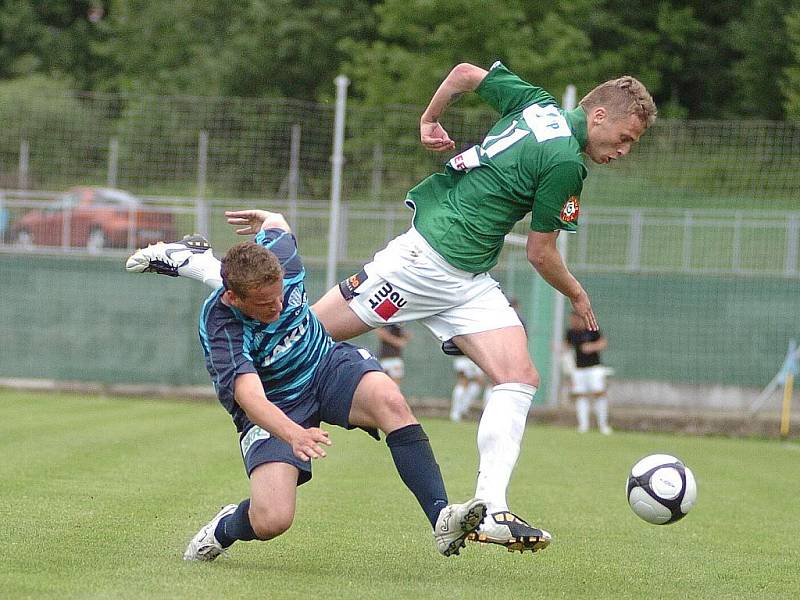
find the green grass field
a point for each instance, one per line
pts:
(99, 497)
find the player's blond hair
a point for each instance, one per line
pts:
(247, 266)
(622, 97)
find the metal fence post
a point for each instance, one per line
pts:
(24, 161)
(293, 187)
(201, 206)
(635, 241)
(337, 162)
(377, 171)
(113, 159)
(792, 240)
(559, 307)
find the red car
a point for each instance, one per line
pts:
(93, 218)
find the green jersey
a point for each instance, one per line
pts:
(530, 162)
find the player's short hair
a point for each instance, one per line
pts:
(622, 97)
(249, 265)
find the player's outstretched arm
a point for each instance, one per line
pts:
(463, 78)
(250, 222)
(543, 254)
(306, 443)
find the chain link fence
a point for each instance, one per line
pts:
(689, 246)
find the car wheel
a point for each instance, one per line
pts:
(23, 239)
(96, 240)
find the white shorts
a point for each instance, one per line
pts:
(464, 366)
(394, 367)
(589, 380)
(410, 281)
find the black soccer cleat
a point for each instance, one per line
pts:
(507, 529)
(449, 348)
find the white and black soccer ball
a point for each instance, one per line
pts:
(661, 489)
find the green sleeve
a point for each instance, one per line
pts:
(556, 204)
(507, 93)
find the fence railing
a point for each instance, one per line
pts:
(610, 239)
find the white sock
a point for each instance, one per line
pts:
(500, 434)
(456, 402)
(601, 412)
(471, 394)
(582, 412)
(203, 267)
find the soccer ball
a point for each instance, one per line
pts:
(661, 489)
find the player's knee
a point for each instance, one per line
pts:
(528, 376)
(268, 524)
(392, 410)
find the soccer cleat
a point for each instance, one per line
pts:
(449, 347)
(204, 545)
(455, 523)
(507, 529)
(167, 258)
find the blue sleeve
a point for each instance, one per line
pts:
(284, 245)
(224, 339)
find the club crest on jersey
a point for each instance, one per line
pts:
(386, 301)
(571, 210)
(348, 286)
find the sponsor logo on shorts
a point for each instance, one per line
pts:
(254, 434)
(386, 301)
(348, 286)
(571, 210)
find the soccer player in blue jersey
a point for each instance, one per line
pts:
(279, 375)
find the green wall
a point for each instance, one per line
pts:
(86, 319)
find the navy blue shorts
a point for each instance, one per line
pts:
(331, 391)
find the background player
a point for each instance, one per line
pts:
(392, 341)
(469, 383)
(279, 374)
(529, 163)
(589, 376)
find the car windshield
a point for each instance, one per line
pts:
(115, 199)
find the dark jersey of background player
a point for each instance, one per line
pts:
(387, 350)
(285, 354)
(578, 337)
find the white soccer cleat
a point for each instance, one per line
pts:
(168, 258)
(455, 523)
(507, 529)
(204, 546)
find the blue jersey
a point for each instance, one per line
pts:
(285, 354)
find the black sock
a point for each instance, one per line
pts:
(235, 526)
(416, 464)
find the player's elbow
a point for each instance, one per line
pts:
(467, 76)
(538, 258)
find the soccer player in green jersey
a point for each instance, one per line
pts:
(530, 162)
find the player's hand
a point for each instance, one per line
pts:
(248, 221)
(583, 308)
(308, 443)
(434, 137)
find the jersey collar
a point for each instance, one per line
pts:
(576, 119)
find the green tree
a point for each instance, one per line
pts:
(791, 80)
(759, 35)
(51, 37)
